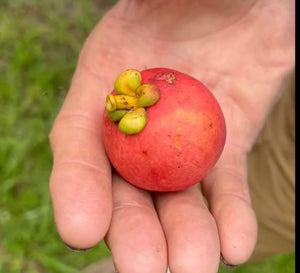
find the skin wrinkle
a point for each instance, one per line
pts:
(237, 163)
(94, 73)
(84, 163)
(242, 191)
(66, 117)
(132, 21)
(254, 127)
(68, 180)
(76, 86)
(71, 120)
(231, 171)
(92, 164)
(200, 207)
(212, 77)
(229, 114)
(245, 199)
(179, 221)
(130, 205)
(236, 146)
(185, 198)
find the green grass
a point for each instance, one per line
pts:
(282, 263)
(39, 45)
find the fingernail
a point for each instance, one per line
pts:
(228, 265)
(77, 249)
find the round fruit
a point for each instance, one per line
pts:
(181, 134)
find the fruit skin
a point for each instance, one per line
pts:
(182, 140)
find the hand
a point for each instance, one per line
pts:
(242, 51)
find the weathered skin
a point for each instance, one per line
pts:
(182, 140)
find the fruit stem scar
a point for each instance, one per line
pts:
(168, 77)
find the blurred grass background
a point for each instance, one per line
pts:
(39, 45)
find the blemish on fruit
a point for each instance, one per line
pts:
(177, 142)
(168, 77)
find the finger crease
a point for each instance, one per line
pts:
(129, 205)
(82, 163)
(230, 171)
(243, 196)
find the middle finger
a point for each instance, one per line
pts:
(135, 236)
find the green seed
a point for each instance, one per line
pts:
(133, 122)
(116, 115)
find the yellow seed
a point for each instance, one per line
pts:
(125, 102)
(119, 102)
(127, 82)
(133, 122)
(148, 94)
(110, 103)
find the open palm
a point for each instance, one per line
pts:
(242, 52)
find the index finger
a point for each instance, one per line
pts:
(80, 182)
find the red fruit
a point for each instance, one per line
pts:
(182, 140)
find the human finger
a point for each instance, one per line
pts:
(190, 230)
(80, 182)
(135, 236)
(226, 190)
